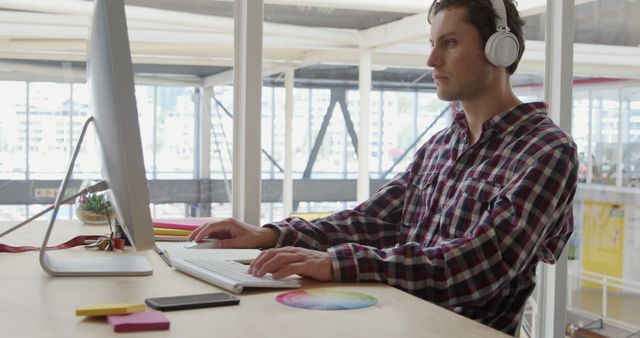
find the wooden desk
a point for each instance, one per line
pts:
(34, 304)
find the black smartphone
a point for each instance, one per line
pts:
(192, 301)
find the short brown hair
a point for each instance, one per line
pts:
(482, 15)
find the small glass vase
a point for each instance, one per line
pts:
(92, 208)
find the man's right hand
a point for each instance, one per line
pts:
(234, 234)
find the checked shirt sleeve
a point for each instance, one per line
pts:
(528, 221)
(374, 222)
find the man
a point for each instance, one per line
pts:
(482, 202)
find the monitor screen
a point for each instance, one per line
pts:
(113, 106)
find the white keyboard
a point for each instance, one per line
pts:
(229, 275)
(230, 269)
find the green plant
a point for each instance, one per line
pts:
(95, 203)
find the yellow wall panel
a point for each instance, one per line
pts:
(603, 240)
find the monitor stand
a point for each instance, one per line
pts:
(87, 266)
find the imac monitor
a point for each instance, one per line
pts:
(113, 105)
(110, 78)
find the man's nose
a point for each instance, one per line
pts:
(434, 59)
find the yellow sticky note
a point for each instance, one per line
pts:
(109, 309)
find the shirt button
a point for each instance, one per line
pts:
(439, 210)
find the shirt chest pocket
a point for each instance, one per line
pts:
(419, 198)
(474, 198)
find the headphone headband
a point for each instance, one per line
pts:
(502, 47)
(501, 11)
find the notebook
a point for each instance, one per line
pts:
(176, 229)
(180, 223)
(109, 309)
(139, 321)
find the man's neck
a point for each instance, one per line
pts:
(486, 106)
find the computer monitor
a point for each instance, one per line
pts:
(113, 105)
(114, 113)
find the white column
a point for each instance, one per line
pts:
(205, 133)
(589, 140)
(622, 117)
(204, 149)
(247, 101)
(287, 182)
(558, 82)
(364, 85)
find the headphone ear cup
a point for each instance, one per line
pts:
(502, 49)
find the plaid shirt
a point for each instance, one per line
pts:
(464, 226)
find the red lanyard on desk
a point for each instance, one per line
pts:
(76, 241)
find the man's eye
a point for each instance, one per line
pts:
(450, 42)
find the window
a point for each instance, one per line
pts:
(13, 131)
(631, 134)
(49, 109)
(221, 134)
(88, 163)
(580, 131)
(175, 133)
(302, 141)
(606, 124)
(145, 103)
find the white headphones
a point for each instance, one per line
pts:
(502, 47)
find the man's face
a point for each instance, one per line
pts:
(460, 68)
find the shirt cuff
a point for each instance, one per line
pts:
(287, 237)
(343, 263)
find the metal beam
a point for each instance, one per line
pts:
(410, 148)
(398, 44)
(320, 137)
(342, 100)
(526, 8)
(404, 30)
(338, 95)
(405, 6)
(264, 152)
(17, 192)
(198, 21)
(24, 192)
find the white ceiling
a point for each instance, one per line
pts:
(187, 33)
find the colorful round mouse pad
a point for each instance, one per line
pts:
(326, 299)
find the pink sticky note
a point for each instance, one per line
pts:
(139, 321)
